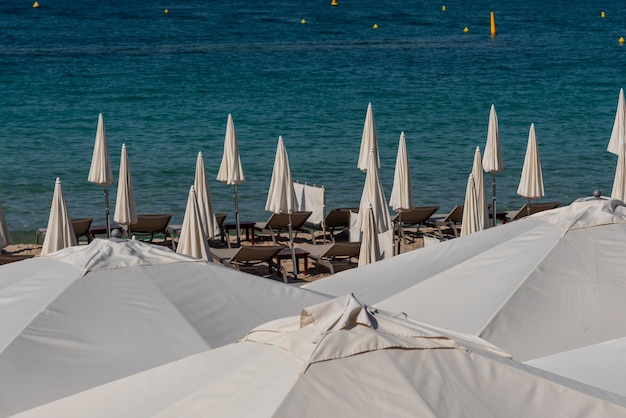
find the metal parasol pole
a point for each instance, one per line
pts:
(293, 250)
(493, 205)
(106, 210)
(237, 215)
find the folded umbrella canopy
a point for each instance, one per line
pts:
(471, 216)
(369, 141)
(230, 171)
(618, 134)
(373, 196)
(193, 241)
(205, 204)
(492, 160)
(531, 181)
(481, 194)
(402, 191)
(125, 212)
(619, 181)
(5, 237)
(281, 197)
(100, 171)
(59, 232)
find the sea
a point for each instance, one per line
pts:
(165, 75)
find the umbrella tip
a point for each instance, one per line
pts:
(597, 193)
(58, 180)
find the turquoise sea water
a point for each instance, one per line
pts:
(166, 83)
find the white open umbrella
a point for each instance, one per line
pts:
(343, 359)
(531, 181)
(618, 134)
(59, 233)
(402, 191)
(370, 248)
(481, 195)
(125, 212)
(619, 182)
(203, 194)
(374, 195)
(100, 171)
(5, 237)
(230, 171)
(193, 240)
(492, 160)
(91, 314)
(471, 216)
(368, 140)
(281, 197)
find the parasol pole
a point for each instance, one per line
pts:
(528, 208)
(493, 205)
(237, 215)
(293, 250)
(106, 211)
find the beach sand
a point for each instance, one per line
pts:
(413, 242)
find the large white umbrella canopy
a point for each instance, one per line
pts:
(402, 191)
(481, 194)
(547, 283)
(471, 216)
(5, 236)
(205, 204)
(193, 241)
(281, 197)
(343, 359)
(95, 313)
(619, 181)
(369, 141)
(492, 160)
(374, 196)
(125, 211)
(100, 171)
(231, 171)
(531, 180)
(618, 134)
(59, 232)
(370, 248)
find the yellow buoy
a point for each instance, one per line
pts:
(602, 15)
(375, 26)
(621, 40)
(303, 21)
(334, 3)
(466, 29)
(35, 5)
(166, 11)
(443, 8)
(493, 24)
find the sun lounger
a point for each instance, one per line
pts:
(534, 208)
(279, 222)
(250, 256)
(413, 218)
(150, 225)
(336, 221)
(80, 226)
(328, 255)
(451, 222)
(10, 258)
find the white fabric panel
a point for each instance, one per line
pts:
(311, 199)
(59, 232)
(531, 181)
(205, 204)
(125, 211)
(230, 171)
(492, 160)
(618, 134)
(5, 236)
(601, 365)
(193, 240)
(281, 196)
(341, 359)
(100, 170)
